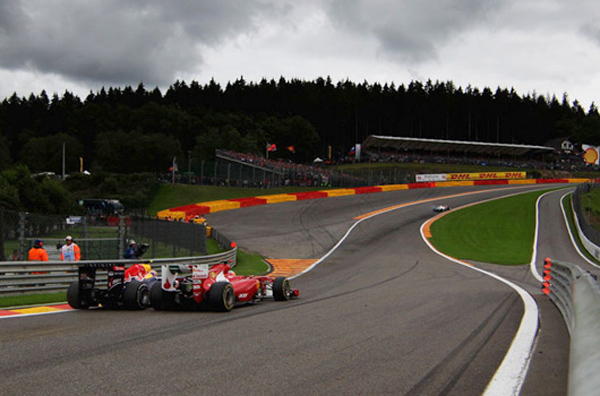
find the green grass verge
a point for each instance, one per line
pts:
(497, 232)
(250, 264)
(32, 299)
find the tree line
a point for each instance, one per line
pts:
(131, 130)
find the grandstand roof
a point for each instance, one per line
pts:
(438, 145)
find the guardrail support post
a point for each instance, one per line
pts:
(22, 223)
(121, 244)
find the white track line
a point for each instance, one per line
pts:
(511, 373)
(532, 266)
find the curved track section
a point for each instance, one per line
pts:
(382, 314)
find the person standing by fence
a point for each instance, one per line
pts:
(70, 251)
(37, 252)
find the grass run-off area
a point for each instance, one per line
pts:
(498, 232)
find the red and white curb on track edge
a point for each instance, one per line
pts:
(34, 311)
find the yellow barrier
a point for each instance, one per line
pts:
(168, 215)
(217, 206)
(523, 181)
(393, 187)
(461, 183)
(276, 198)
(340, 192)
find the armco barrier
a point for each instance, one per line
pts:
(21, 277)
(576, 293)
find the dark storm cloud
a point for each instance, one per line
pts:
(410, 30)
(592, 32)
(123, 42)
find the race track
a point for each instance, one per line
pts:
(383, 314)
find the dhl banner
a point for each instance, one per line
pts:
(470, 176)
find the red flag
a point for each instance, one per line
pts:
(271, 147)
(292, 149)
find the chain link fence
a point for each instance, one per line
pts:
(166, 238)
(19, 230)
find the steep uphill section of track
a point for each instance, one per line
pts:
(187, 212)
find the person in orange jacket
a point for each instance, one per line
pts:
(37, 252)
(70, 251)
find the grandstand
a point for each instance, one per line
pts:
(375, 143)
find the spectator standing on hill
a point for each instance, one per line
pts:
(70, 251)
(37, 252)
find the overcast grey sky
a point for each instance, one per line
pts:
(543, 46)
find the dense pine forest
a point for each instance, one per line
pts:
(130, 130)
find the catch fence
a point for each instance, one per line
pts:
(97, 240)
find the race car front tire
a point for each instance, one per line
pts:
(221, 297)
(281, 288)
(136, 295)
(74, 297)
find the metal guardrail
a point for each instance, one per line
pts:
(22, 277)
(577, 295)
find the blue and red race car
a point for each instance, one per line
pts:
(124, 288)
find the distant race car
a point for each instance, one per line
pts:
(441, 208)
(216, 288)
(124, 288)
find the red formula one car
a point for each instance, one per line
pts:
(216, 288)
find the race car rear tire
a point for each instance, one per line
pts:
(281, 288)
(221, 297)
(136, 295)
(74, 297)
(160, 299)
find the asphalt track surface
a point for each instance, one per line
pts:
(383, 314)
